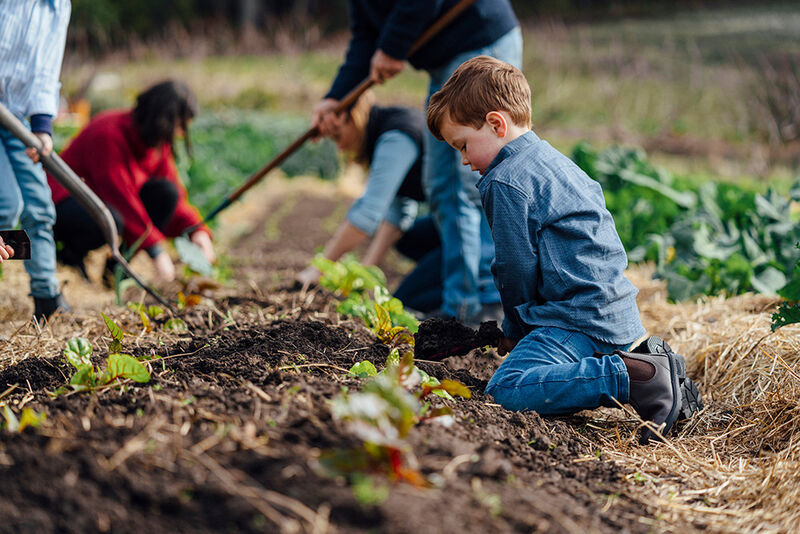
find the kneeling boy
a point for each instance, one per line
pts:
(570, 313)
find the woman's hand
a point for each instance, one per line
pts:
(5, 251)
(47, 147)
(324, 119)
(505, 346)
(383, 67)
(165, 269)
(203, 240)
(308, 276)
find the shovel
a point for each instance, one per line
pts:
(85, 196)
(345, 103)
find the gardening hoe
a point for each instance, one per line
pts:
(345, 103)
(80, 192)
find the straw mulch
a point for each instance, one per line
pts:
(734, 467)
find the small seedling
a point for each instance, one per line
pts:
(78, 352)
(28, 418)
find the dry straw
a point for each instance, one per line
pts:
(734, 468)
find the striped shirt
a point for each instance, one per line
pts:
(32, 38)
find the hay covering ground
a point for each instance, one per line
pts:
(733, 468)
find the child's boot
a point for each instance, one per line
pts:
(691, 400)
(657, 384)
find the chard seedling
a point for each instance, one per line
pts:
(28, 418)
(78, 352)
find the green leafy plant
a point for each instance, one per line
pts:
(28, 418)
(733, 241)
(192, 255)
(383, 412)
(146, 313)
(789, 312)
(364, 294)
(78, 352)
(643, 199)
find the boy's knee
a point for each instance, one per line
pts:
(503, 388)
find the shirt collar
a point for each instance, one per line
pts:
(518, 144)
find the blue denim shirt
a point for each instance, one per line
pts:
(558, 259)
(31, 50)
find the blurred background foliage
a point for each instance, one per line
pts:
(100, 25)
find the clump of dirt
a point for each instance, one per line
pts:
(439, 338)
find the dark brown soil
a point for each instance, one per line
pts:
(227, 435)
(439, 338)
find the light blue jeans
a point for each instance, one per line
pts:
(554, 371)
(25, 198)
(455, 203)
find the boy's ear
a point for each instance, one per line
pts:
(497, 122)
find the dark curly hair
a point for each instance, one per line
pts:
(160, 109)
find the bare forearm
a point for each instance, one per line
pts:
(346, 238)
(384, 239)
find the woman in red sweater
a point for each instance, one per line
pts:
(126, 157)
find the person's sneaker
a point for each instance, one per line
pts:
(691, 400)
(43, 308)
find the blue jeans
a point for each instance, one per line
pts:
(25, 197)
(421, 289)
(455, 203)
(554, 371)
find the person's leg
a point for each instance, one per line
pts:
(37, 218)
(76, 232)
(421, 289)
(555, 371)
(455, 203)
(10, 197)
(420, 239)
(160, 198)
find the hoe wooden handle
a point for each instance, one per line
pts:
(345, 103)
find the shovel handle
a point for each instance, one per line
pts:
(81, 192)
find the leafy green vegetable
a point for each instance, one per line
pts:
(364, 369)
(125, 366)
(78, 352)
(116, 331)
(192, 255)
(176, 325)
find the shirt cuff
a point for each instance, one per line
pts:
(42, 123)
(155, 250)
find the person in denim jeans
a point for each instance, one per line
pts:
(570, 313)
(383, 31)
(31, 51)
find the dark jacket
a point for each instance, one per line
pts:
(394, 25)
(409, 121)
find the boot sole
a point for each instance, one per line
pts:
(691, 400)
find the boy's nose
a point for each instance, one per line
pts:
(464, 160)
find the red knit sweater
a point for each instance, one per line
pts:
(114, 163)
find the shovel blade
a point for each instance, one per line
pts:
(19, 241)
